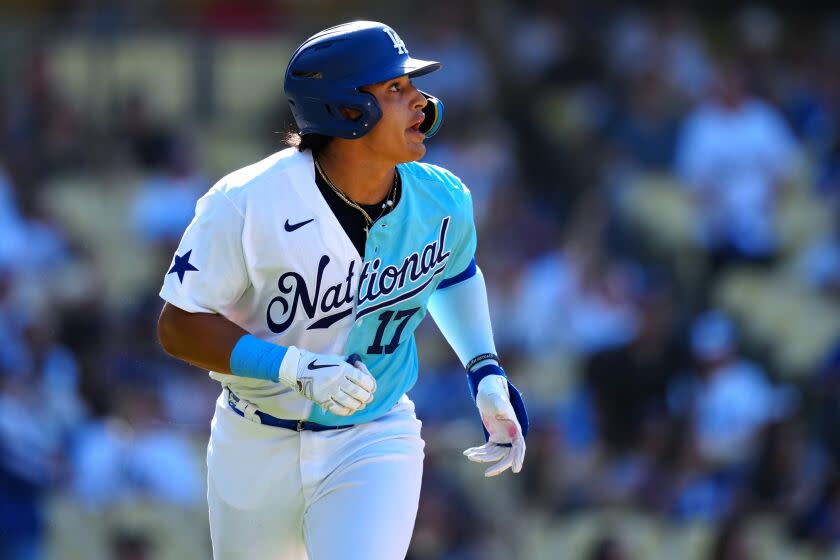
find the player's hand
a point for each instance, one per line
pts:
(330, 381)
(506, 446)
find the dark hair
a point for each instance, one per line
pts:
(312, 141)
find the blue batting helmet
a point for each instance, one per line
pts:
(325, 73)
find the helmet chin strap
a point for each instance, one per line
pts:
(434, 115)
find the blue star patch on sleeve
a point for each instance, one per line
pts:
(182, 266)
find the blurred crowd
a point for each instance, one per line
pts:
(657, 194)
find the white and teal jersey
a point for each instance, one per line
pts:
(428, 238)
(265, 251)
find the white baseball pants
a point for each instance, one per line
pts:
(278, 494)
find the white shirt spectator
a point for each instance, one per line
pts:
(731, 407)
(734, 400)
(554, 309)
(733, 159)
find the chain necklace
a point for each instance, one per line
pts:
(389, 200)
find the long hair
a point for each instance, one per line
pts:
(312, 141)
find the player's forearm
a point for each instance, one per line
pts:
(461, 312)
(205, 340)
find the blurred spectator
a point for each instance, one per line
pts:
(40, 409)
(28, 244)
(686, 58)
(43, 130)
(735, 153)
(628, 383)
(576, 298)
(562, 305)
(29, 455)
(141, 458)
(139, 135)
(165, 202)
(733, 399)
(645, 129)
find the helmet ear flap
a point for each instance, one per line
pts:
(434, 115)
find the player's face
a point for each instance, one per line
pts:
(397, 136)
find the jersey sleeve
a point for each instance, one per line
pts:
(461, 265)
(207, 273)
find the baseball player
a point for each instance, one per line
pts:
(299, 284)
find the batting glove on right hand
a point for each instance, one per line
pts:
(328, 380)
(506, 445)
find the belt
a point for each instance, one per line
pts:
(248, 410)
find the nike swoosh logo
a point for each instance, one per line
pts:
(313, 365)
(293, 227)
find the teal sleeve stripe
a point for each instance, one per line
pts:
(255, 358)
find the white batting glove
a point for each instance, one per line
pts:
(493, 401)
(328, 380)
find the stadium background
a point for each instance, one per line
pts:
(657, 193)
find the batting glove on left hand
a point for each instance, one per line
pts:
(506, 445)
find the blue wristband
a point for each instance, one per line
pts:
(257, 359)
(475, 377)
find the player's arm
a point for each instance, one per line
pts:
(462, 313)
(208, 275)
(205, 340)
(210, 341)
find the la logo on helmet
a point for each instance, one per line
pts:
(398, 43)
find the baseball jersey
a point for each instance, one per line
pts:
(265, 251)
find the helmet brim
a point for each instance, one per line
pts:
(412, 67)
(415, 67)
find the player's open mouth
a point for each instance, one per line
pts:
(415, 129)
(416, 126)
